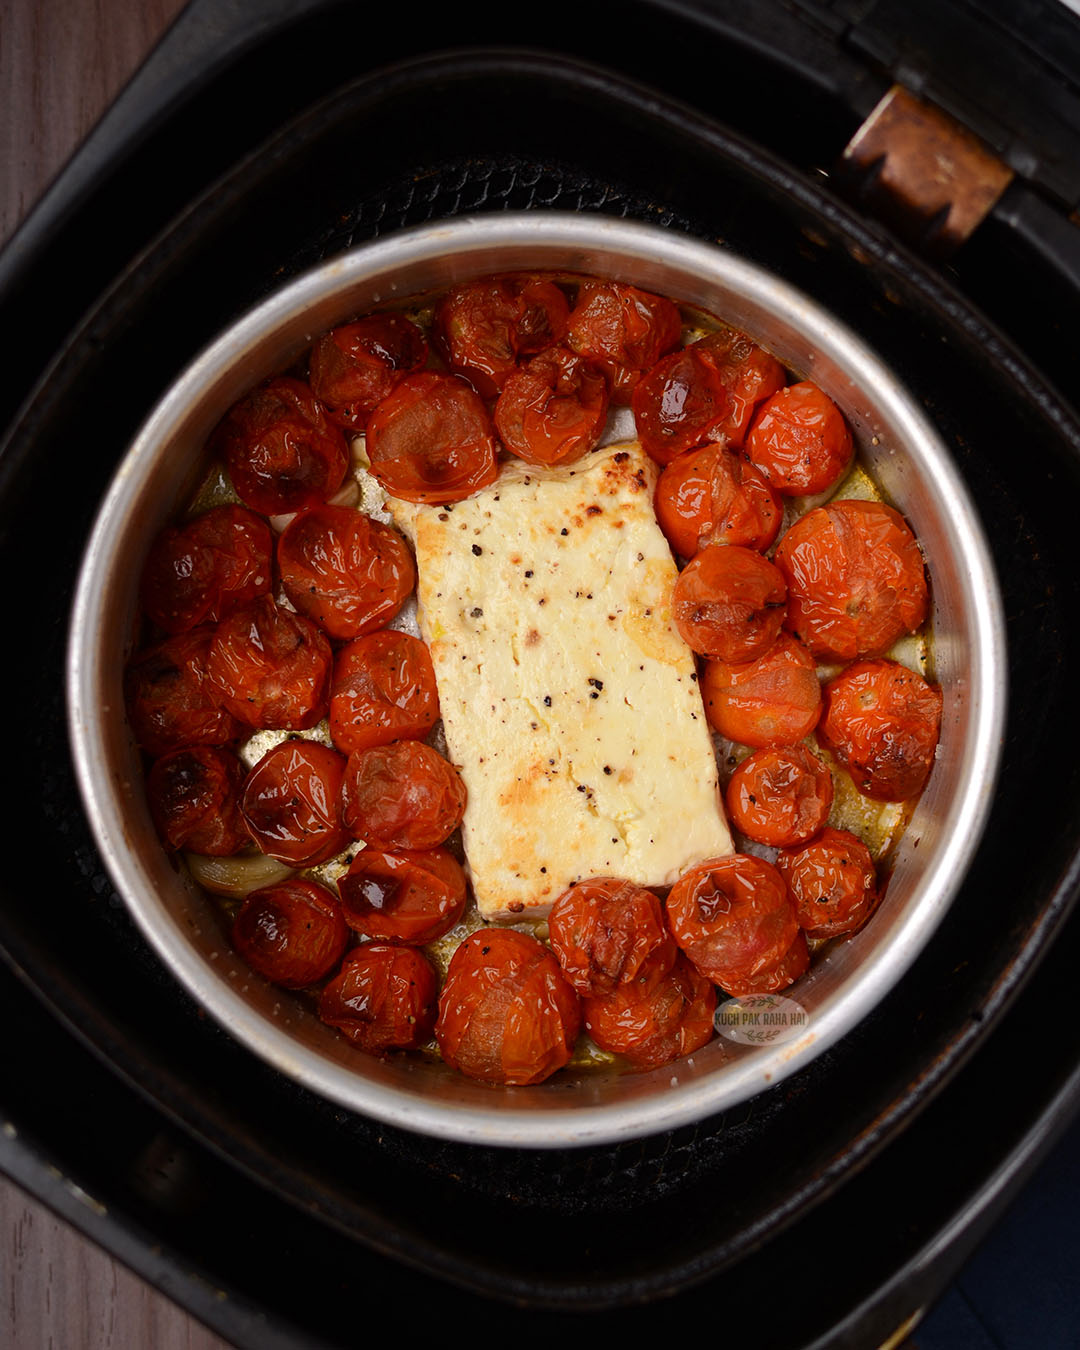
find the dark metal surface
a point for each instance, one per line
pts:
(378, 153)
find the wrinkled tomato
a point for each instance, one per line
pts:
(292, 933)
(780, 796)
(197, 573)
(553, 410)
(402, 795)
(711, 496)
(729, 603)
(882, 722)
(856, 580)
(832, 881)
(708, 391)
(170, 702)
(383, 689)
(622, 331)
(775, 700)
(771, 979)
(194, 799)
(483, 327)
(733, 918)
(383, 998)
(410, 897)
(291, 803)
(354, 367)
(800, 441)
(281, 449)
(609, 934)
(349, 573)
(506, 1012)
(432, 440)
(671, 1018)
(269, 667)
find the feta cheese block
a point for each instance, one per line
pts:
(569, 700)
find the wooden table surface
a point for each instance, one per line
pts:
(61, 64)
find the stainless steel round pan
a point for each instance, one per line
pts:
(898, 444)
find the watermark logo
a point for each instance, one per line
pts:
(761, 1019)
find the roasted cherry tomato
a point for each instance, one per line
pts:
(483, 327)
(781, 795)
(882, 722)
(706, 392)
(292, 803)
(610, 934)
(728, 603)
(775, 700)
(733, 918)
(270, 667)
(281, 449)
(622, 331)
(383, 690)
(711, 496)
(292, 933)
(194, 799)
(349, 573)
(170, 702)
(855, 578)
(354, 367)
(771, 979)
(832, 882)
(383, 998)
(405, 897)
(432, 440)
(553, 410)
(403, 795)
(196, 573)
(800, 441)
(671, 1018)
(506, 1012)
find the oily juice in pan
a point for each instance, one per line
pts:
(536, 668)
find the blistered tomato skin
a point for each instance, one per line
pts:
(780, 796)
(711, 496)
(354, 367)
(409, 897)
(733, 918)
(610, 934)
(672, 1018)
(833, 882)
(292, 933)
(291, 803)
(800, 441)
(882, 721)
(622, 331)
(855, 577)
(432, 440)
(281, 449)
(771, 979)
(402, 796)
(552, 410)
(194, 799)
(270, 668)
(748, 373)
(169, 700)
(383, 689)
(506, 1012)
(775, 700)
(383, 998)
(197, 573)
(347, 572)
(483, 328)
(729, 603)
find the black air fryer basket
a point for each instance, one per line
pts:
(253, 145)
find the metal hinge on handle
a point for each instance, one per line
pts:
(922, 172)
